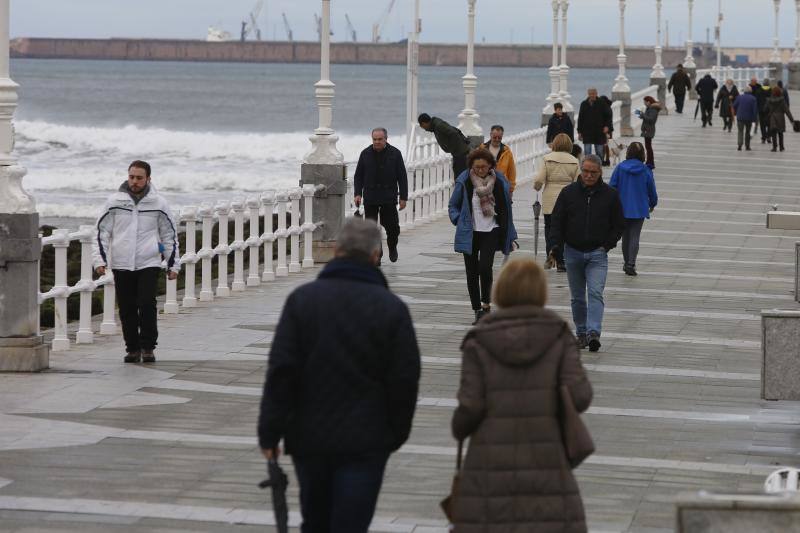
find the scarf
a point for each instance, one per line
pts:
(484, 188)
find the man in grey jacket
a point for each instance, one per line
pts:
(135, 233)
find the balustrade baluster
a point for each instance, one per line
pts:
(281, 234)
(308, 225)
(60, 245)
(206, 253)
(294, 230)
(253, 242)
(238, 245)
(268, 237)
(109, 324)
(222, 249)
(86, 285)
(189, 259)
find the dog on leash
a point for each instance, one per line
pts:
(615, 150)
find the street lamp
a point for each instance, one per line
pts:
(554, 71)
(564, 68)
(621, 85)
(689, 61)
(468, 119)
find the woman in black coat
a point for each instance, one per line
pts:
(725, 97)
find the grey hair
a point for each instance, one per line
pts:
(385, 133)
(748, 89)
(592, 158)
(358, 239)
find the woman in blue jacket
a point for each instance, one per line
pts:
(637, 191)
(480, 209)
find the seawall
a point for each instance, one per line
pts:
(341, 52)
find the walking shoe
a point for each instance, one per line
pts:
(561, 267)
(133, 357)
(748, 149)
(393, 254)
(740, 148)
(580, 340)
(630, 270)
(480, 313)
(148, 356)
(594, 341)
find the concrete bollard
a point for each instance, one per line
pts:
(704, 512)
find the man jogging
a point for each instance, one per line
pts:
(450, 139)
(133, 231)
(380, 175)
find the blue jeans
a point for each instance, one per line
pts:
(599, 149)
(338, 493)
(586, 271)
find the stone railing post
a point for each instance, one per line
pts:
(222, 249)
(324, 164)
(85, 334)
(206, 253)
(21, 347)
(238, 245)
(268, 237)
(189, 259)
(308, 226)
(60, 245)
(109, 324)
(253, 242)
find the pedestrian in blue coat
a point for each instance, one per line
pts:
(637, 192)
(480, 209)
(746, 107)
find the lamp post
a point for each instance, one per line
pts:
(468, 118)
(688, 62)
(794, 62)
(412, 77)
(775, 60)
(21, 346)
(554, 71)
(564, 68)
(718, 35)
(657, 76)
(324, 165)
(621, 90)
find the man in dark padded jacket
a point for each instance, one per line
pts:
(341, 384)
(587, 222)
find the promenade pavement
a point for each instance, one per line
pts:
(93, 445)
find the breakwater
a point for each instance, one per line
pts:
(341, 52)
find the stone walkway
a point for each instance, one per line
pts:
(97, 446)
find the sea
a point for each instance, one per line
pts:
(220, 131)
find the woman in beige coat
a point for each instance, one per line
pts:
(516, 477)
(559, 169)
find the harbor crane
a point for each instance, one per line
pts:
(251, 26)
(378, 26)
(287, 28)
(318, 26)
(350, 29)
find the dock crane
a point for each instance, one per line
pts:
(251, 26)
(378, 26)
(287, 28)
(318, 26)
(350, 29)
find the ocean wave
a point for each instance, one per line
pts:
(81, 158)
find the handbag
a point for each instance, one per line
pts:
(577, 440)
(796, 125)
(448, 503)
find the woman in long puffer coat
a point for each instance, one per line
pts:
(725, 97)
(777, 108)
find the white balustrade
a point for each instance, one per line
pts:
(222, 250)
(206, 253)
(253, 242)
(238, 245)
(294, 230)
(60, 291)
(308, 226)
(268, 237)
(281, 234)
(85, 286)
(189, 258)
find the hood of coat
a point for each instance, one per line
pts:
(775, 99)
(634, 167)
(520, 335)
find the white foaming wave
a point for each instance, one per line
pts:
(84, 158)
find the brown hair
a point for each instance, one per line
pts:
(521, 282)
(649, 99)
(776, 91)
(144, 165)
(635, 151)
(480, 153)
(562, 143)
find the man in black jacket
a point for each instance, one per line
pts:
(594, 122)
(559, 123)
(705, 91)
(450, 139)
(341, 384)
(679, 83)
(587, 222)
(380, 175)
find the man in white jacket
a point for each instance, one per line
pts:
(135, 233)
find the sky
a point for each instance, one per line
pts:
(747, 22)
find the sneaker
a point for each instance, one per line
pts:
(148, 356)
(580, 340)
(594, 341)
(561, 267)
(133, 357)
(393, 254)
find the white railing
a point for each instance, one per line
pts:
(293, 222)
(616, 114)
(740, 75)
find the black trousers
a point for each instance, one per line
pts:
(136, 298)
(549, 242)
(763, 122)
(727, 123)
(679, 99)
(459, 165)
(777, 137)
(630, 240)
(648, 148)
(387, 215)
(479, 266)
(706, 111)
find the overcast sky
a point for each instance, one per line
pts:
(747, 22)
